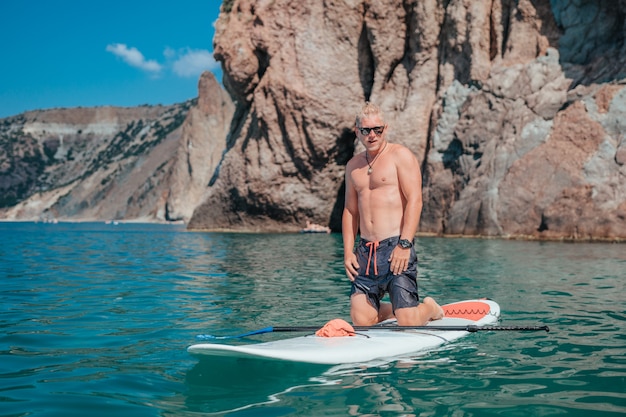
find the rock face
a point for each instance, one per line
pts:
(111, 163)
(515, 107)
(202, 143)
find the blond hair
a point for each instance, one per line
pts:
(369, 110)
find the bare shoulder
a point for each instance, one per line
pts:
(352, 162)
(401, 152)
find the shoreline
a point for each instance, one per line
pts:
(292, 230)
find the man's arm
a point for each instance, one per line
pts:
(349, 227)
(410, 184)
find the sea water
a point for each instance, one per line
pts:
(95, 320)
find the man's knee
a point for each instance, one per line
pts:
(362, 312)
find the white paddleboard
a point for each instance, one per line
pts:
(366, 345)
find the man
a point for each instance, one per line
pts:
(384, 204)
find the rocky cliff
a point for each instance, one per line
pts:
(200, 149)
(516, 109)
(112, 163)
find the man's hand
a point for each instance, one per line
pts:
(351, 265)
(399, 260)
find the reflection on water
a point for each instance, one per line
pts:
(232, 384)
(96, 319)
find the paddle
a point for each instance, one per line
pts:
(468, 328)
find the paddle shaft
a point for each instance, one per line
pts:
(468, 328)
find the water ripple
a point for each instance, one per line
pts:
(95, 320)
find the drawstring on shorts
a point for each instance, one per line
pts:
(373, 246)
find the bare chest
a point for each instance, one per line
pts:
(377, 178)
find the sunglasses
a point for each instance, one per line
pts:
(378, 130)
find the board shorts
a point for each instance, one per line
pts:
(375, 278)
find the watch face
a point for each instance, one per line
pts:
(405, 243)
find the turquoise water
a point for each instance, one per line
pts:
(95, 320)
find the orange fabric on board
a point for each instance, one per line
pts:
(336, 328)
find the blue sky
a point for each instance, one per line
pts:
(71, 53)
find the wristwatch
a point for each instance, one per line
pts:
(405, 243)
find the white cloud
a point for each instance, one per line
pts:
(184, 62)
(192, 62)
(133, 57)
